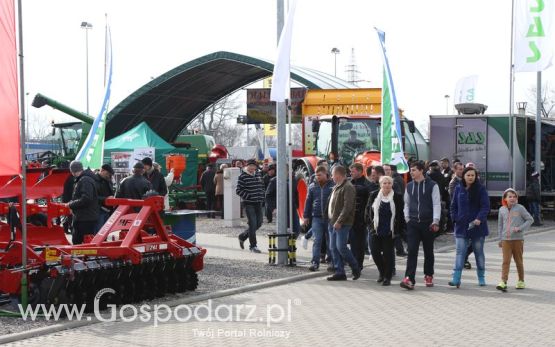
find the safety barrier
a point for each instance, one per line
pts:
(291, 248)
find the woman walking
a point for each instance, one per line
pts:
(385, 220)
(469, 211)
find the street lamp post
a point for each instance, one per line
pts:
(335, 51)
(521, 106)
(87, 26)
(446, 104)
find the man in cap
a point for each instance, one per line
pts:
(134, 186)
(83, 203)
(250, 188)
(104, 189)
(155, 177)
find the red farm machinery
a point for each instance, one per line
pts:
(134, 253)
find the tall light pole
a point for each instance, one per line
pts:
(87, 26)
(335, 51)
(27, 136)
(446, 104)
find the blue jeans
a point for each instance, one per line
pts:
(534, 207)
(102, 218)
(319, 227)
(478, 248)
(254, 218)
(338, 244)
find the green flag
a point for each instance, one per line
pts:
(92, 152)
(392, 147)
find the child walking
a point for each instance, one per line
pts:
(512, 222)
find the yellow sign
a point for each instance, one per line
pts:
(270, 130)
(51, 254)
(84, 252)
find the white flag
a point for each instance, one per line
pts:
(533, 35)
(465, 91)
(281, 76)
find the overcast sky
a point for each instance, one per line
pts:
(431, 45)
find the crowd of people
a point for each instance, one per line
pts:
(85, 193)
(352, 214)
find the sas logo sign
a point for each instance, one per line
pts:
(471, 138)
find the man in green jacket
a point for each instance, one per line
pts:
(341, 214)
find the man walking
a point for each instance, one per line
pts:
(84, 202)
(250, 188)
(359, 233)
(314, 211)
(422, 212)
(341, 214)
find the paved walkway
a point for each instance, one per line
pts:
(363, 313)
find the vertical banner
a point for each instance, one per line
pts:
(465, 91)
(392, 146)
(281, 80)
(9, 109)
(533, 48)
(92, 152)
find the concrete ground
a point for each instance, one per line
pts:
(355, 313)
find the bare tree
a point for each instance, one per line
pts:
(547, 101)
(219, 120)
(38, 127)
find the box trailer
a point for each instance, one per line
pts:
(500, 146)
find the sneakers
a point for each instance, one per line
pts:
(520, 285)
(304, 242)
(337, 277)
(502, 286)
(241, 243)
(429, 281)
(386, 282)
(255, 250)
(467, 265)
(407, 284)
(313, 267)
(356, 274)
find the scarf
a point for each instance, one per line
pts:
(376, 208)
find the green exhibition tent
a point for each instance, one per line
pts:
(143, 136)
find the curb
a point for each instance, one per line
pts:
(89, 320)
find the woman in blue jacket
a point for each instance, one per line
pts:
(469, 212)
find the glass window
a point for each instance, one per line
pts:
(323, 141)
(356, 136)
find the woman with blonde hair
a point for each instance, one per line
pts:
(385, 219)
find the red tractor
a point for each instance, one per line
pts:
(344, 125)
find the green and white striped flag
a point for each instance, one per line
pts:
(392, 146)
(92, 152)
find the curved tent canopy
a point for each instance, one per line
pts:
(171, 101)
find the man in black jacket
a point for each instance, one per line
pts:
(135, 186)
(209, 188)
(104, 189)
(358, 235)
(155, 177)
(84, 202)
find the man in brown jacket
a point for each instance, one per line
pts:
(341, 213)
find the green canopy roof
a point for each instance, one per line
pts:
(140, 136)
